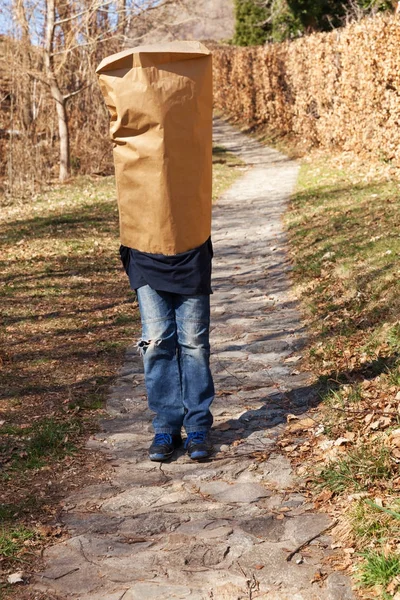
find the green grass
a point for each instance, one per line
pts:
(45, 440)
(123, 319)
(359, 469)
(226, 168)
(336, 399)
(51, 437)
(8, 429)
(374, 524)
(393, 337)
(12, 540)
(8, 511)
(351, 230)
(110, 346)
(394, 376)
(378, 569)
(21, 510)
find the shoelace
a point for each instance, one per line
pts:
(162, 438)
(196, 437)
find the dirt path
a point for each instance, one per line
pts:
(224, 529)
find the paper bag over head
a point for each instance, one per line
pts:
(160, 101)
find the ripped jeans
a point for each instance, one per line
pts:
(176, 354)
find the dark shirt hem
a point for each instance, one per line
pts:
(187, 273)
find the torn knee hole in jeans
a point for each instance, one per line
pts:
(143, 345)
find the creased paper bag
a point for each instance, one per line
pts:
(160, 100)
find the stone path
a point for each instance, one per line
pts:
(222, 529)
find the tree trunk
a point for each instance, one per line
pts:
(63, 133)
(56, 93)
(122, 17)
(24, 50)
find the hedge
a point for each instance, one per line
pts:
(339, 89)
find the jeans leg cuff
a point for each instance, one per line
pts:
(167, 430)
(197, 429)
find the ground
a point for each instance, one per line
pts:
(241, 525)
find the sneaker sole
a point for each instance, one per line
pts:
(198, 455)
(160, 457)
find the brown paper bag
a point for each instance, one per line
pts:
(160, 100)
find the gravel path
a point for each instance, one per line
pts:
(223, 529)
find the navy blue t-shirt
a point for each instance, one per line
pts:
(187, 273)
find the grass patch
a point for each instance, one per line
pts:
(343, 226)
(45, 440)
(372, 523)
(347, 244)
(378, 569)
(23, 510)
(359, 469)
(51, 437)
(12, 541)
(226, 168)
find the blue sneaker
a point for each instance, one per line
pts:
(198, 445)
(163, 446)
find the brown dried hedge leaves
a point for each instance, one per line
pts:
(339, 89)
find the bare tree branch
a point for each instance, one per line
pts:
(95, 7)
(78, 91)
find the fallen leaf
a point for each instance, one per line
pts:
(368, 418)
(291, 417)
(394, 438)
(237, 443)
(328, 255)
(45, 530)
(393, 586)
(340, 441)
(17, 577)
(358, 495)
(324, 496)
(301, 424)
(292, 359)
(285, 442)
(318, 576)
(290, 448)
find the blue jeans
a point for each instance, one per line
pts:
(176, 356)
